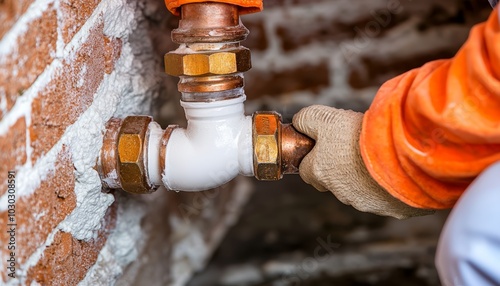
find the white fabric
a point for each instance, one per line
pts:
(469, 248)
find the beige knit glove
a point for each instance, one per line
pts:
(335, 163)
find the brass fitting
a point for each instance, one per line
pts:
(131, 149)
(267, 146)
(210, 58)
(278, 148)
(209, 63)
(122, 162)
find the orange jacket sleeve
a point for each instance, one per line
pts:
(247, 6)
(431, 131)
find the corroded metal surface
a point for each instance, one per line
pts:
(278, 148)
(208, 63)
(108, 160)
(131, 150)
(210, 58)
(294, 147)
(267, 146)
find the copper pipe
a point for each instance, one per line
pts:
(209, 22)
(210, 58)
(209, 84)
(294, 147)
(108, 160)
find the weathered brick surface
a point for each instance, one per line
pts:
(67, 260)
(374, 72)
(12, 150)
(71, 90)
(189, 207)
(257, 39)
(39, 213)
(34, 51)
(307, 77)
(74, 14)
(308, 30)
(284, 3)
(10, 11)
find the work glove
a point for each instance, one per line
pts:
(335, 163)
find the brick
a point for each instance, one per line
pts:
(190, 208)
(308, 77)
(74, 13)
(38, 213)
(374, 72)
(281, 3)
(13, 154)
(67, 260)
(71, 90)
(257, 39)
(296, 35)
(33, 53)
(10, 11)
(306, 30)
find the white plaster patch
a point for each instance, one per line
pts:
(119, 20)
(3, 102)
(189, 252)
(122, 246)
(81, 76)
(60, 25)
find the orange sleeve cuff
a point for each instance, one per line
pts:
(246, 6)
(431, 131)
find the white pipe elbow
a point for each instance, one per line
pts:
(215, 147)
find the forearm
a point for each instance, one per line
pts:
(431, 131)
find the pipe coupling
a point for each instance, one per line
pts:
(125, 160)
(278, 148)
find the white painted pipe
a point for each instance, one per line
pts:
(215, 147)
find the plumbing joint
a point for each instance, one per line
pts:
(219, 142)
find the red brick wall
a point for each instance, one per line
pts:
(66, 67)
(43, 91)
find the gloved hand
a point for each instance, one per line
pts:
(335, 163)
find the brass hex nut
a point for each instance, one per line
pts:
(267, 146)
(208, 63)
(131, 149)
